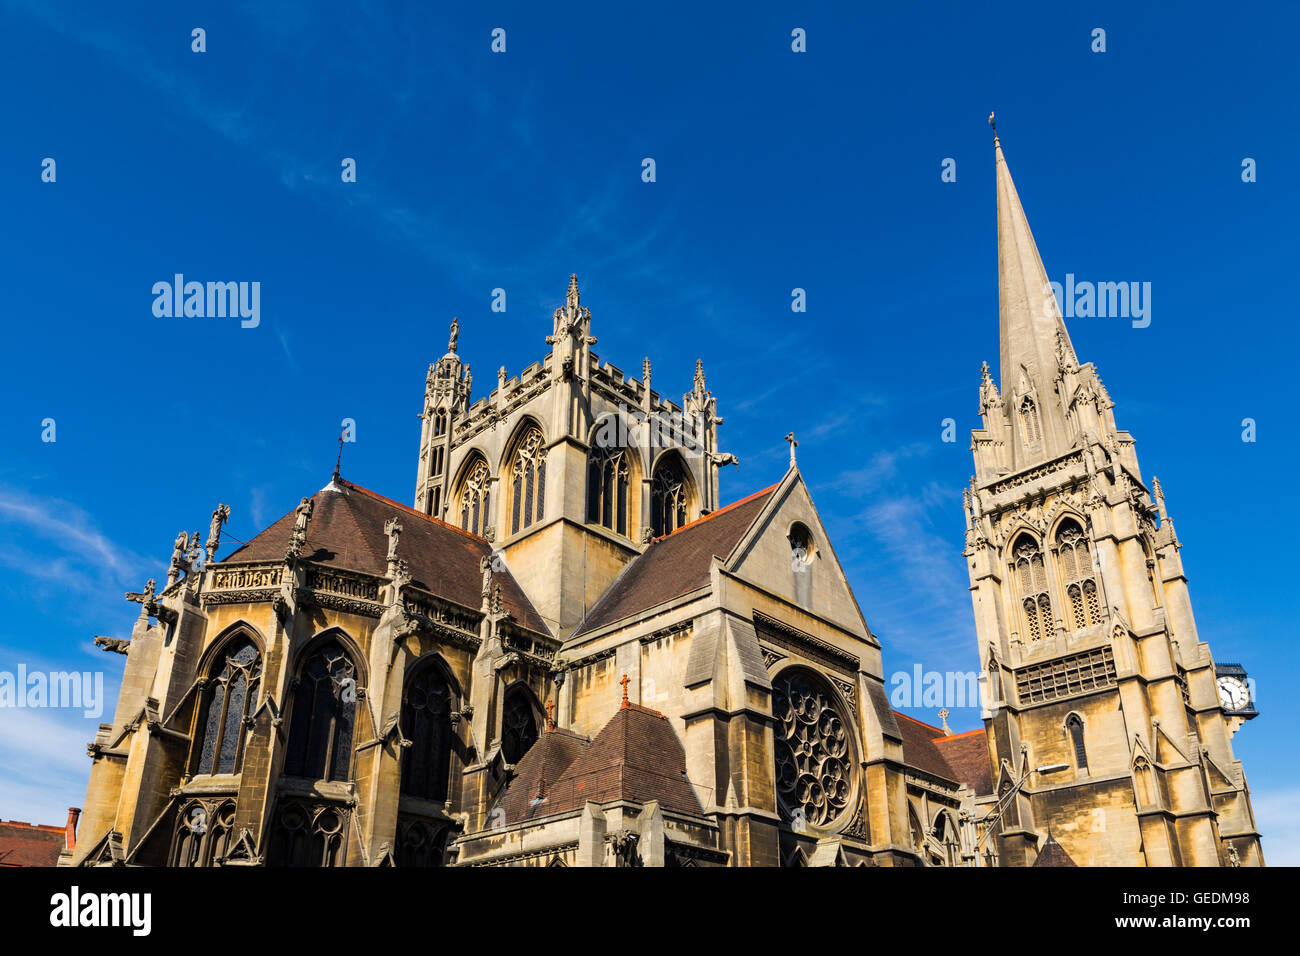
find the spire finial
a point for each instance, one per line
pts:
(943, 717)
(993, 125)
(626, 703)
(550, 714)
(793, 445)
(573, 291)
(338, 462)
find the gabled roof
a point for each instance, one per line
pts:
(919, 748)
(527, 796)
(968, 756)
(636, 757)
(28, 844)
(675, 564)
(1053, 854)
(347, 531)
(961, 758)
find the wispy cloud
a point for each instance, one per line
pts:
(73, 534)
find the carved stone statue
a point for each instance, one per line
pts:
(219, 518)
(392, 528)
(298, 538)
(455, 335)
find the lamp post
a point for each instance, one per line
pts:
(992, 817)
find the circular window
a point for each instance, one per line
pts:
(815, 766)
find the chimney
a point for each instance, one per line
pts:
(74, 813)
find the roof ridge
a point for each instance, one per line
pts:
(407, 508)
(713, 514)
(964, 733)
(937, 730)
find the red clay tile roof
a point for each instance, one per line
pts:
(1053, 854)
(676, 563)
(919, 748)
(636, 757)
(27, 844)
(347, 531)
(968, 756)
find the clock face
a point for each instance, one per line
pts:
(1233, 693)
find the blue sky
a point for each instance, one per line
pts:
(775, 170)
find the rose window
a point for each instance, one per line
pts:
(814, 751)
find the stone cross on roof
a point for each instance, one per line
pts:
(625, 681)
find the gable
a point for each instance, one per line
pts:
(765, 557)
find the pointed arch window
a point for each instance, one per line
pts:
(229, 701)
(668, 497)
(1030, 574)
(439, 423)
(203, 834)
(518, 725)
(1029, 422)
(1142, 776)
(1074, 727)
(324, 711)
(474, 499)
(608, 475)
(1077, 575)
(427, 703)
(528, 481)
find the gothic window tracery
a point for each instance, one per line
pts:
(1030, 574)
(518, 725)
(1077, 575)
(203, 834)
(420, 842)
(608, 475)
(323, 713)
(307, 834)
(815, 769)
(668, 497)
(230, 698)
(474, 499)
(528, 481)
(1029, 421)
(427, 703)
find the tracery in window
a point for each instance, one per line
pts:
(203, 834)
(518, 725)
(420, 842)
(427, 703)
(668, 496)
(1030, 574)
(474, 499)
(323, 713)
(1029, 421)
(230, 698)
(815, 768)
(1077, 575)
(608, 475)
(528, 481)
(307, 834)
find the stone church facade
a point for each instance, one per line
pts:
(569, 651)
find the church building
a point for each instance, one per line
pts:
(570, 651)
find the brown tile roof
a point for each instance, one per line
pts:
(636, 757)
(528, 795)
(676, 563)
(347, 531)
(919, 748)
(1053, 854)
(29, 844)
(968, 756)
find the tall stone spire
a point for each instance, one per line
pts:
(1029, 319)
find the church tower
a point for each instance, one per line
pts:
(570, 468)
(1109, 729)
